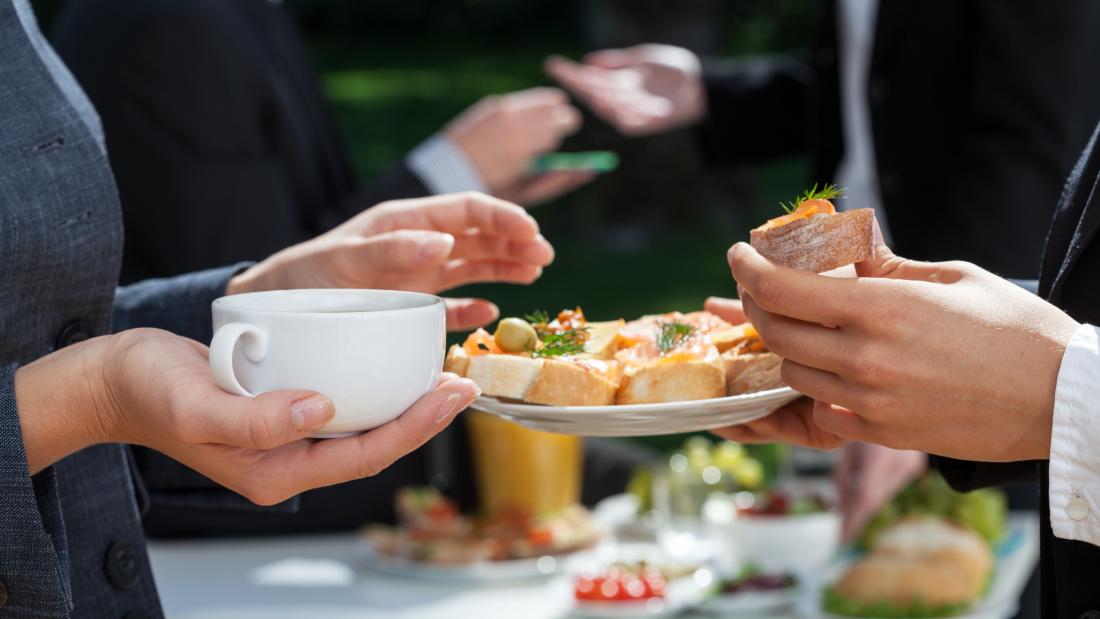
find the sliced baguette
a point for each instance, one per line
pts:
(752, 372)
(457, 361)
(672, 381)
(568, 383)
(504, 376)
(819, 243)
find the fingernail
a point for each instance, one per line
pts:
(434, 246)
(449, 408)
(311, 413)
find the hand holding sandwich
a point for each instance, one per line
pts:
(940, 357)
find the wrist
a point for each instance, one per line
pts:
(63, 403)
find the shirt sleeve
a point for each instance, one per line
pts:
(1074, 459)
(443, 167)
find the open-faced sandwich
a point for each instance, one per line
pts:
(432, 530)
(921, 566)
(569, 361)
(813, 236)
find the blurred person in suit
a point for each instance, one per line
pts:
(215, 120)
(215, 117)
(957, 121)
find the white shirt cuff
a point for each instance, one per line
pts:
(443, 167)
(1075, 441)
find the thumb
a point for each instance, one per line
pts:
(404, 250)
(264, 422)
(612, 58)
(888, 265)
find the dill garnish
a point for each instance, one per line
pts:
(569, 342)
(555, 342)
(672, 334)
(828, 192)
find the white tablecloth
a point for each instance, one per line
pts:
(327, 576)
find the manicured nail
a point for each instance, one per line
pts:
(435, 245)
(311, 413)
(448, 408)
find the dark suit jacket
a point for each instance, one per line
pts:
(71, 543)
(978, 109)
(1070, 272)
(220, 138)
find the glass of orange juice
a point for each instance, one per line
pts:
(524, 470)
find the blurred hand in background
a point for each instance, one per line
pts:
(503, 134)
(868, 477)
(639, 90)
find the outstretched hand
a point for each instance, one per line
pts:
(423, 245)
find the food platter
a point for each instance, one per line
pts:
(640, 419)
(479, 572)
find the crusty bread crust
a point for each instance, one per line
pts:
(752, 372)
(819, 243)
(457, 361)
(564, 383)
(504, 376)
(677, 381)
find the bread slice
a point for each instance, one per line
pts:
(819, 243)
(504, 376)
(672, 381)
(752, 372)
(457, 361)
(556, 382)
(571, 383)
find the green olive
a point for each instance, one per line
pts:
(515, 335)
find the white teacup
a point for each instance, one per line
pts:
(373, 352)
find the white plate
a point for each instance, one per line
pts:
(485, 571)
(640, 419)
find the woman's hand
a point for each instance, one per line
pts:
(939, 357)
(640, 90)
(152, 388)
(423, 245)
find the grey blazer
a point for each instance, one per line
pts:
(70, 537)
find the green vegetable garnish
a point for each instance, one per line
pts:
(837, 604)
(569, 342)
(555, 343)
(828, 192)
(672, 334)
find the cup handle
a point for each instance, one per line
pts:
(221, 353)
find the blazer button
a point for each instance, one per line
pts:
(3, 594)
(121, 565)
(75, 331)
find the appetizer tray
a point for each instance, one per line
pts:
(640, 419)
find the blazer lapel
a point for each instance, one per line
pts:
(1087, 226)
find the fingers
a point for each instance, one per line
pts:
(797, 294)
(612, 58)
(819, 384)
(807, 343)
(477, 246)
(536, 189)
(402, 251)
(792, 424)
(457, 213)
(727, 309)
(467, 314)
(265, 422)
(841, 422)
(461, 272)
(333, 461)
